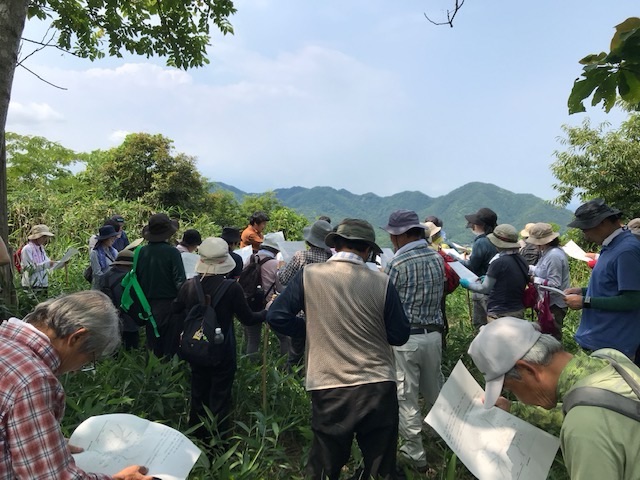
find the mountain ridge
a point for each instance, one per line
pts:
(517, 209)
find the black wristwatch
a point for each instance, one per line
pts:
(586, 302)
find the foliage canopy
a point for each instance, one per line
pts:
(607, 74)
(601, 163)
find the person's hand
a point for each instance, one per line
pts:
(74, 449)
(464, 282)
(574, 302)
(591, 255)
(134, 472)
(573, 291)
(503, 404)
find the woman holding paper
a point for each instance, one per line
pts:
(552, 269)
(34, 260)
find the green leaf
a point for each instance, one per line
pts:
(582, 89)
(606, 92)
(593, 59)
(627, 26)
(631, 83)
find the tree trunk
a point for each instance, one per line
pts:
(13, 14)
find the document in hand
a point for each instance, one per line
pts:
(113, 442)
(463, 272)
(573, 250)
(493, 444)
(65, 258)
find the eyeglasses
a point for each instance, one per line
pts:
(90, 366)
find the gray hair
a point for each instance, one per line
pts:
(88, 309)
(540, 353)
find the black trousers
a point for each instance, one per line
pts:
(169, 328)
(211, 387)
(369, 411)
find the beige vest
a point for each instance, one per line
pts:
(346, 337)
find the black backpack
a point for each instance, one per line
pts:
(201, 342)
(251, 282)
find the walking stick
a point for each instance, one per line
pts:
(66, 275)
(469, 307)
(265, 345)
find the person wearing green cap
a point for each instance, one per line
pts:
(353, 316)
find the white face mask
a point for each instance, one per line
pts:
(477, 230)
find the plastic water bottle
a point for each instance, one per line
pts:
(218, 336)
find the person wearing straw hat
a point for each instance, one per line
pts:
(353, 316)
(551, 270)
(596, 442)
(211, 386)
(481, 224)
(103, 254)
(317, 252)
(34, 260)
(529, 251)
(417, 272)
(160, 272)
(506, 277)
(611, 302)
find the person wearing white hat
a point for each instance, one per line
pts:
(211, 386)
(596, 441)
(34, 260)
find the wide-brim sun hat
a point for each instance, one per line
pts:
(541, 234)
(402, 220)
(431, 228)
(592, 213)
(497, 348)
(270, 240)
(504, 236)
(524, 233)
(125, 257)
(159, 228)
(214, 257)
(316, 233)
(38, 231)
(106, 231)
(484, 216)
(354, 229)
(136, 243)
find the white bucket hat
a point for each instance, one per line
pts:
(214, 257)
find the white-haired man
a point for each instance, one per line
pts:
(596, 441)
(59, 336)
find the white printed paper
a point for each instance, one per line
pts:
(493, 444)
(463, 272)
(551, 289)
(65, 258)
(461, 248)
(387, 255)
(573, 250)
(287, 249)
(245, 253)
(113, 442)
(454, 253)
(190, 260)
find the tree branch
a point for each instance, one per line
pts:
(40, 78)
(450, 14)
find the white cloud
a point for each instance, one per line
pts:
(118, 136)
(32, 113)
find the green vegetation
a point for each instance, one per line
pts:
(516, 209)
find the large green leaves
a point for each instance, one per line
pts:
(608, 75)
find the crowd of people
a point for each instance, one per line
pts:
(370, 338)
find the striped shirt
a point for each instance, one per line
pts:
(31, 407)
(417, 272)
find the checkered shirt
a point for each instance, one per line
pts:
(300, 259)
(31, 406)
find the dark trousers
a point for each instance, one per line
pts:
(211, 387)
(296, 351)
(558, 314)
(169, 329)
(369, 411)
(253, 336)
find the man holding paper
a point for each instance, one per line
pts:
(611, 302)
(596, 441)
(59, 336)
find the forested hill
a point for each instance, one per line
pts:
(514, 208)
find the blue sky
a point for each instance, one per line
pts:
(364, 95)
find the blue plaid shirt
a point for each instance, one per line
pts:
(417, 272)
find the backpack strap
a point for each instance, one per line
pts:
(598, 397)
(129, 281)
(220, 291)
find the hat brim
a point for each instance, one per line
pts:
(501, 243)
(41, 234)
(433, 231)
(586, 224)
(136, 243)
(403, 229)
(104, 237)
(473, 219)
(160, 236)
(331, 237)
(524, 233)
(492, 391)
(126, 262)
(543, 240)
(218, 268)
